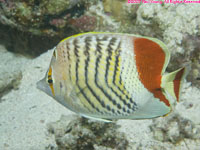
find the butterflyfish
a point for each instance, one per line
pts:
(109, 76)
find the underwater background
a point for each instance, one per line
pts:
(31, 120)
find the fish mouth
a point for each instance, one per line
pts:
(40, 85)
(43, 86)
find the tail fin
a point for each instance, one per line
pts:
(172, 82)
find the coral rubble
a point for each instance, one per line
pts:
(82, 134)
(174, 129)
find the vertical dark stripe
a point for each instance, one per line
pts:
(99, 52)
(98, 46)
(88, 40)
(109, 97)
(76, 47)
(96, 83)
(110, 51)
(102, 103)
(69, 60)
(118, 51)
(76, 51)
(91, 90)
(108, 58)
(75, 42)
(68, 51)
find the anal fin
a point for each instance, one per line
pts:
(97, 119)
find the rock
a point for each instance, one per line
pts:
(81, 134)
(84, 23)
(32, 27)
(10, 73)
(152, 147)
(30, 15)
(121, 11)
(9, 80)
(174, 129)
(53, 7)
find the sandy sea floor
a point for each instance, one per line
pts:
(25, 112)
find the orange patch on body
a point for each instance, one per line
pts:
(177, 82)
(150, 60)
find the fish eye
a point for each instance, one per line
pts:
(50, 81)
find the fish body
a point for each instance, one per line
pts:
(113, 76)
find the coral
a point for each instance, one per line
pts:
(174, 129)
(81, 134)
